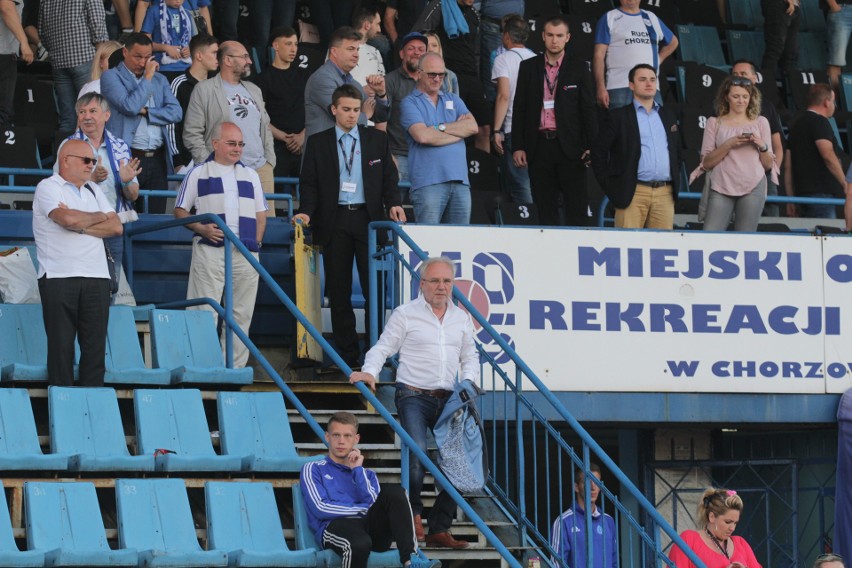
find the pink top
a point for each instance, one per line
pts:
(713, 558)
(739, 172)
(551, 77)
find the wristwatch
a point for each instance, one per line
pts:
(442, 127)
(764, 149)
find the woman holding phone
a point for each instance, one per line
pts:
(736, 154)
(714, 543)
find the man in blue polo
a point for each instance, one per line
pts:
(437, 124)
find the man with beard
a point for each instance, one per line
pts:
(227, 98)
(400, 82)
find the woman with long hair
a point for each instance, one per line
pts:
(736, 154)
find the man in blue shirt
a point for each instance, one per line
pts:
(636, 155)
(437, 124)
(348, 179)
(569, 538)
(347, 509)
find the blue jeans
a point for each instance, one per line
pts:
(447, 202)
(624, 96)
(516, 181)
(402, 167)
(838, 28)
(418, 413)
(490, 38)
(67, 83)
(818, 211)
(265, 15)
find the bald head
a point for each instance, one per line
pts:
(72, 162)
(431, 73)
(227, 143)
(234, 61)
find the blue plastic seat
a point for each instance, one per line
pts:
(86, 423)
(155, 519)
(745, 13)
(124, 362)
(328, 558)
(19, 445)
(242, 520)
(64, 522)
(171, 425)
(745, 45)
(10, 555)
(186, 343)
(701, 44)
(23, 343)
(813, 53)
(255, 427)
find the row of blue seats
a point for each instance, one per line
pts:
(172, 433)
(65, 527)
(185, 348)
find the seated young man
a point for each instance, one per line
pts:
(347, 509)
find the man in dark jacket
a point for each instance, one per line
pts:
(554, 120)
(635, 157)
(340, 196)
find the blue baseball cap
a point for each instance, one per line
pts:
(412, 36)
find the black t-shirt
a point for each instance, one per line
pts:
(810, 174)
(284, 95)
(407, 12)
(182, 87)
(770, 113)
(460, 53)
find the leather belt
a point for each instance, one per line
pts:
(352, 206)
(654, 184)
(146, 153)
(547, 134)
(437, 393)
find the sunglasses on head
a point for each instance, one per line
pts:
(740, 82)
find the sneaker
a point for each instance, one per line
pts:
(422, 562)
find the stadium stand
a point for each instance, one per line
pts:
(10, 555)
(19, 444)
(700, 44)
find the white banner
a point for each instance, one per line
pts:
(598, 310)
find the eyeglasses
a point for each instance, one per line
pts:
(436, 75)
(86, 160)
(740, 82)
(244, 57)
(233, 144)
(436, 281)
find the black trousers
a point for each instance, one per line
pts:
(348, 242)
(388, 520)
(154, 175)
(781, 34)
(553, 174)
(75, 308)
(8, 78)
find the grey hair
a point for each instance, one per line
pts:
(92, 97)
(216, 133)
(436, 260)
(429, 55)
(826, 558)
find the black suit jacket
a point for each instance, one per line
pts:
(319, 182)
(574, 104)
(615, 153)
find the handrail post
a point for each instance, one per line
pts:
(519, 441)
(229, 304)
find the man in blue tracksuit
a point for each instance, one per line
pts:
(347, 509)
(569, 530)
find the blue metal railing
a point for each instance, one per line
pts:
(696, 196)
(226, 314)
(529, 455)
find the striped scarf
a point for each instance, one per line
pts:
(169, 39)
(211, 199)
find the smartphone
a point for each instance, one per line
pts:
(745, 134)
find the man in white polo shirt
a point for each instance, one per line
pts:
(70, 220)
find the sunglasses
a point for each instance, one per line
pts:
(233, 144)
(86, 160)
(436, 75)
(740, 82)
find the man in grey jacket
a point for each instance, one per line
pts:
(227, 98)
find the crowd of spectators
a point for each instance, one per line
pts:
(151, 60)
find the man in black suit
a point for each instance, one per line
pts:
(348, 179)
(554, 120)
(636, 156)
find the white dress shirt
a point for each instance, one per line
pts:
(430, 351)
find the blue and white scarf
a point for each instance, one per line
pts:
(211, 199)
(166, 35)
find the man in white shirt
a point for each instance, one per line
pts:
(434, 339)
(70, 220)
(504, 74)
(368, 23)
(223, 185)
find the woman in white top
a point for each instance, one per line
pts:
(736, 155)
(100, 63)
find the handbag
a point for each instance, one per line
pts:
(113, 273)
